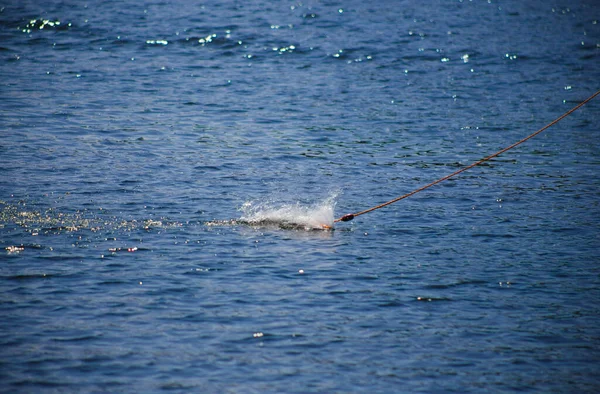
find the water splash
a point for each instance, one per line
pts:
(318, 216)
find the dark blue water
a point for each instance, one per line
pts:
(126, 127)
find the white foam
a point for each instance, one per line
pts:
(309, 216)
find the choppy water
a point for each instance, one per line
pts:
(128, 131)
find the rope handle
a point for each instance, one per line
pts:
(350, 216)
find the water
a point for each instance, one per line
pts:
(126, 130)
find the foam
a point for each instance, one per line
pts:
(318, 216)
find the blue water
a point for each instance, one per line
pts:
(127, 130)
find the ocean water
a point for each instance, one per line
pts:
(153, 156)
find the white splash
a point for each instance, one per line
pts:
(316, 216)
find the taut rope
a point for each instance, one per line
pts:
(350, 216)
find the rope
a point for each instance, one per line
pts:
(350, 216)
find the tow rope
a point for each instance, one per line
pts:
(350, 216)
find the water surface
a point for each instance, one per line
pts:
(126, 128)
